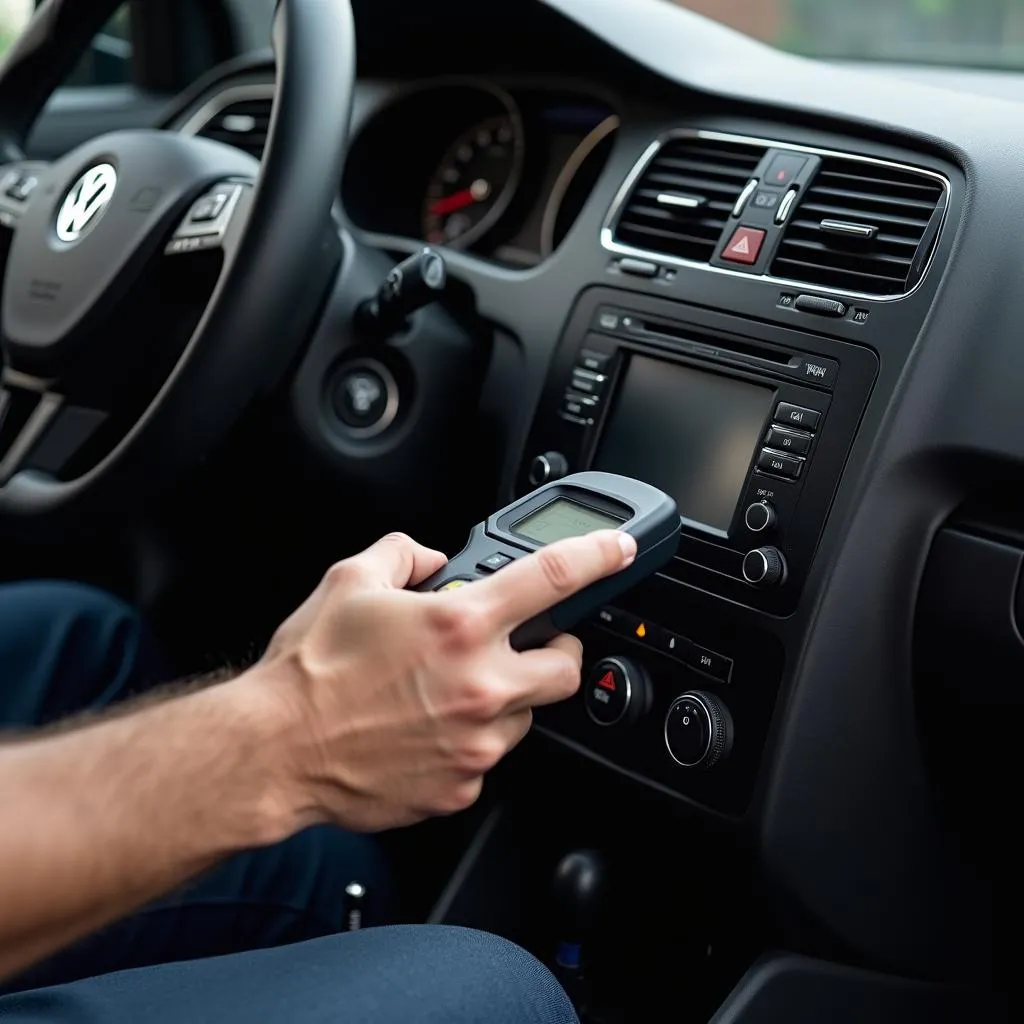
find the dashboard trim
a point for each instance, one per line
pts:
(611, 221)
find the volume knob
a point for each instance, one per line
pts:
(547, 467)
(764, 567)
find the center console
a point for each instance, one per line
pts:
(748, 426)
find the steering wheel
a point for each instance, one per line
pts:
(156, 283)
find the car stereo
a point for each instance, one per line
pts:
(748, 432)
(748, 427)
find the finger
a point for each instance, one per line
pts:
(398, 561)
(514, 728)
(546, 676)
(543, 579)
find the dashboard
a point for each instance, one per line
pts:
(778, 290)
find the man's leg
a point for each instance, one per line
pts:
(65, 648)
(403, 975)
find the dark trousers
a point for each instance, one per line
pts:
(65, 648)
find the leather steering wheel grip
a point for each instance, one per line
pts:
(270, 291)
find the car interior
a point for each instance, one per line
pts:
(389, 268)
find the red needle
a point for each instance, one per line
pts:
(456, 201)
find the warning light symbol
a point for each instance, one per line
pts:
(607, 681)
(641, 631)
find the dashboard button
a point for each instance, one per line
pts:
(638, 268)
(492, 563)
(453, 584)
(795, 442)
(579, 405)
(779, 464)
(744, 246)
(820, 305)
(818, 370)
(596, 362)
(766, 199)
(760, 516)
(784, 168)
(672, 644)
(587, 382)
(796, 416)
(717, 666)
(613, 619)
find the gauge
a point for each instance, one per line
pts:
(474, 183)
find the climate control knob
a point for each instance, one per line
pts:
(617, 692)
(760, 517)
(764, 567)
(547, 467)
(698, 730)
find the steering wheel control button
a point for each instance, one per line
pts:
(207, 222)
(760, 517)
(821, 306)
(365, 398)
(698, 730)
(744, 246)
(784, 170)
(21, 187)
(208, 208)
(492, 563)
(793, 442)
(764, 567)
(780, 465)
(617, 692)
(796, 416)
(547, 468)
(710, 663)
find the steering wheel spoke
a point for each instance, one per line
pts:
(18, 184)
(214, 220)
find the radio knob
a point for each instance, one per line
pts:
(760, 517)
(764, 567)
(547, 467)
(617, 692)
(698, 730)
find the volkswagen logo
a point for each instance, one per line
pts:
(84, 204)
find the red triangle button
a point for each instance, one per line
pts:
(607, 681)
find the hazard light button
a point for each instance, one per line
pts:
(744, 246)
(616, 692)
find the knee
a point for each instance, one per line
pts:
(73, 645)
(467, 976)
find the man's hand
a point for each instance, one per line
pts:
(394, 704)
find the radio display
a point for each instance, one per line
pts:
(691, 433)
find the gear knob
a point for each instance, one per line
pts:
(579, 889)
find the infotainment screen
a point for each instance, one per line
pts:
(691, 433)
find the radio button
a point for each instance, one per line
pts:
(796, 416)
(579, 405)
(587, 382)
(596, 362)
(760, 517)
(779, 464)
(792, 441)
(717, 666)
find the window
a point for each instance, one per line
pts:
(107, 62)
(985, 33)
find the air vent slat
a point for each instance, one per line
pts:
(899, 203)
(715, 171)
(244, 124)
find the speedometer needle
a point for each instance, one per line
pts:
(456, 201)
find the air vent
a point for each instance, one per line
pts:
(684, 197)
(243, 125)
(862, 227)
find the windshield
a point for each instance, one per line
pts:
(985, 33)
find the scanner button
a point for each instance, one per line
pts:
(492, 563)
(453, 584)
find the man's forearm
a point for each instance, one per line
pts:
(100, 820)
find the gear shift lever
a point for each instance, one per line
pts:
(579, 889)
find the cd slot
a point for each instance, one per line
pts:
(663, 329)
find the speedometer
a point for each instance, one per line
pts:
(474, 183)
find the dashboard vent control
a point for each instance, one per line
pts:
(862, 227)
(684, 197)
(243, 124)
